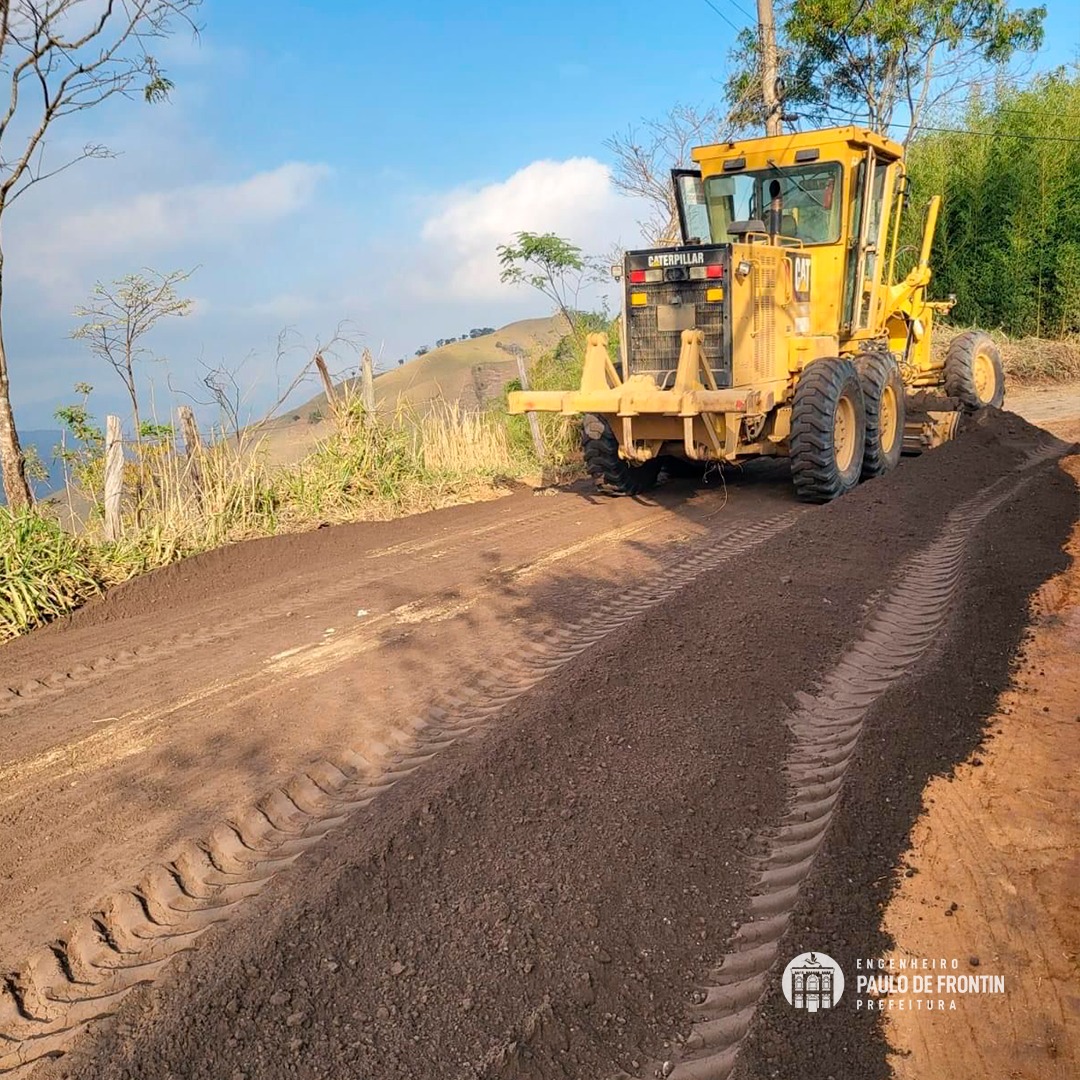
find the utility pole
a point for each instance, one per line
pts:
(769, 64)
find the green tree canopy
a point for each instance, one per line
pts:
(877, 61)
(553, 266)
(1008, 240)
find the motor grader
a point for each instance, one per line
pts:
(778, 326)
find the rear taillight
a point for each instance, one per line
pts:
(637, 277)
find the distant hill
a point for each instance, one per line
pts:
(473, 372)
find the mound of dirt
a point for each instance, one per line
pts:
(543, 901)
(920, 729)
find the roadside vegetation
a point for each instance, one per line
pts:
(1008, 240)
(371, 466)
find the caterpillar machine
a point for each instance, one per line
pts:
(778, 326)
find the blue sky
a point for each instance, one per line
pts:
(335, 161)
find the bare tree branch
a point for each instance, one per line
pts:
(62, 57)
(645, 156)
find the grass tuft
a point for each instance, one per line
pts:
(44, 571)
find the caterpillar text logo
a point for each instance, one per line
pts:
(678, 258)
(800, 277)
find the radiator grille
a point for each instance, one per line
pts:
(764, 316)
(657, 351)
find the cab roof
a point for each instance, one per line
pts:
(830, 144)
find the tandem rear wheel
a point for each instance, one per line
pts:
(883, 395)
(828, 430)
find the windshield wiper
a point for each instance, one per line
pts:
(787, 176)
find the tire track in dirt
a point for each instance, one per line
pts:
(83, 976)
(826, 728)
(95, 669)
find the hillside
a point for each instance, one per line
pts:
(472, 372)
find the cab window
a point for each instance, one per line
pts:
(809, 201)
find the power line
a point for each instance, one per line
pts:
(738, 7)
(966, 131)
(738, 29)
(995, 134)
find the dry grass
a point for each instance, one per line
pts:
(1026, 360)
(457, 441)
(368, 468)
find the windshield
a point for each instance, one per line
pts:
(809, 201)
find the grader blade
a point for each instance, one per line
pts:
(930, 430)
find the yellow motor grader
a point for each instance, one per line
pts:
(778, 325)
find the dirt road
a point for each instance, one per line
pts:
(649, 710)
(182, 698)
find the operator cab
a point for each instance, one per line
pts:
(799, 204)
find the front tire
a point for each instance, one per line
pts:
(613, 475)
(973, 371)
(828, 431)
(883, 393)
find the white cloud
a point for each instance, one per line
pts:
(151, 223)
(574, 199)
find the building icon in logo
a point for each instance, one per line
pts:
(813, 982)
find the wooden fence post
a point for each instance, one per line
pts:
(328, 385)
(114, 476)
(192, 446)
(534, 420)
(367, 378)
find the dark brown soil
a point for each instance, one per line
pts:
(922, 728)
(542, 902)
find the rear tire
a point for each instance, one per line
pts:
(828, 431)
(883, 394)
(973, 371)
(614, 475)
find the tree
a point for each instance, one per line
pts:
(119, 316)
(61, 57)
(551, 265)
(645, 156)
(1008, 239)
(868, 61)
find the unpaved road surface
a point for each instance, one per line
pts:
(1001, 835)
(561, 801)
(184, 696)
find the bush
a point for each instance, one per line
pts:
(560, 369)
(44, 572)
(1007, 241)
